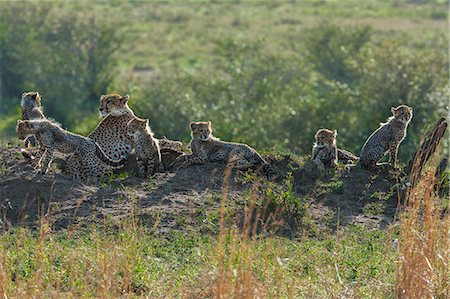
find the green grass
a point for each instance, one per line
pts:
(101, 262)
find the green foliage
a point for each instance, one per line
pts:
(338, 52)
(269, 88)
(68, 57)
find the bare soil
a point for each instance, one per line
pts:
(188, 199)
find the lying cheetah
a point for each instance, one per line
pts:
(31, 109)
(324, 152)
(387, 138)
(93, 163)
(145, 146)
(346, 157)
(207, 148)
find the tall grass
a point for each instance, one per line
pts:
(242, 261)
(424, 254)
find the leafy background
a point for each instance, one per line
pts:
(265, 73)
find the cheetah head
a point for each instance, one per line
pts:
(201, 130)
(402, 113)
(325, 136)
(24, 128)
(137, 125)
(114, 104)
(31, 100)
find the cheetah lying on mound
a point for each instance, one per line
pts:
(386, 138)
(207, 148)
(93, 161)
(146, 147)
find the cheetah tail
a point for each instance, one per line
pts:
(269, 172)
(344, 156)
(105, 159)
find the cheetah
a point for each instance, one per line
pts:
(207, 148)
(387, 138)
(324, 152)
(346, 157)
(145, 146)
(111, 133)
(31, 109)
(93, 161)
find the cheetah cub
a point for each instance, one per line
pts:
(146, 147)
(94, 163)
(207, 148)
(325, 152)
(387, 138)
(31, 109)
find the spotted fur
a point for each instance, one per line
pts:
(146, 147)
(93, 163)
(31, 109)
(207, 148)
(387, 138)
(324, 152)
(346, 157)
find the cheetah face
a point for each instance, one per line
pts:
(402, 113)
(136, 126)
(24, 128)
(113, 104)
(325, 136)
(201, 130)
(31, 99)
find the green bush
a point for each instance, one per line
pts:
(68, 57)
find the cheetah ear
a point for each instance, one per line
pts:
(393, 109)
(335, 133)
(125, 98)
(37, 97)
(147, 122)
(209, 124)
(102, 97)
(193, 126)
(19, 121)
(24, 94)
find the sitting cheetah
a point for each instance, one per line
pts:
(324, 152)
(207, 148)
(387, 138)
(31, 109)
(146, 147)
(93, 161)
(111, 133)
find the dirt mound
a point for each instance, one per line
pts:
(186, 199)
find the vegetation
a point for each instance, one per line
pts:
(263, 78)
(269, 74)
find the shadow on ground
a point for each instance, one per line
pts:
(188, 199)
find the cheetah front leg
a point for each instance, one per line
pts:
(142, 168)
(319, 164)
(393, 150)
(45, 160)
(188, 160)
(239, 162)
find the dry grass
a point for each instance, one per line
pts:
(424, 270)
(133, 261)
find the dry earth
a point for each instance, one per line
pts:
(190, 198)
